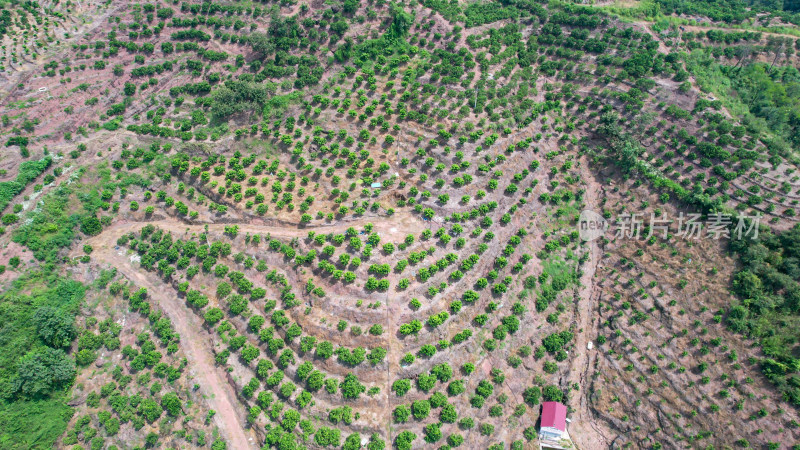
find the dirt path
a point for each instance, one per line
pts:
(194, 341)
(696, 28)
(645, 26)
(584, 430)
(394, 228)
(662, 47)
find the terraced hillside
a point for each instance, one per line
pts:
(357, 224)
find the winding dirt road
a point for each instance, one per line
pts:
(195, 340)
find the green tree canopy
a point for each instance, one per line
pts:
(43, 370)
(54, 327)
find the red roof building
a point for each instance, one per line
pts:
(554, 420)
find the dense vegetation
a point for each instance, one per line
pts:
(769, 307)
(37, 371)
(28, 171)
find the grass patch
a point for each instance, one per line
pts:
(28, 171)
(556, 268)
(711, 79)
(634, 10)
(33, 424)
(51, 226)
